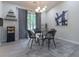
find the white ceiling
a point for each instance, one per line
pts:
(32, 5)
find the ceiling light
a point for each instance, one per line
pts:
(41, 10)
(38, 8)
(44, 9)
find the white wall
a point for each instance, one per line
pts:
(70, 32)
(5, 9)
(0, 9)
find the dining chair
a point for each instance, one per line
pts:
(50, 35)
(31, 37)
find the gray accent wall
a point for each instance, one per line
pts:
(22, 23)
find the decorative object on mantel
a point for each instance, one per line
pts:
(62, 19)
(1, 21)
(10, 16)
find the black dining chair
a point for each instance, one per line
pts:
(50, 36)
(31, 37)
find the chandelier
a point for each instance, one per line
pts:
(40, 9)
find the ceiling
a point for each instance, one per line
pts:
(32, 5)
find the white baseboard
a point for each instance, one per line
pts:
(75, 42)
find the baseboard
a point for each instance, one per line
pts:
(75, 42)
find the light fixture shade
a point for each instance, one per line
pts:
(36, 10)
(41, 10)
(44, 9)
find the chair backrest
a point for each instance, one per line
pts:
(38, 33)
(30, 33)
(52, 32)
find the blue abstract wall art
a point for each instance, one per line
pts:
(61, 19)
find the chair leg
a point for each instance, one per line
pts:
(35, 40)
(54, 43)
(38, 42)
(43, 42)
(31, 43)
(48, 43)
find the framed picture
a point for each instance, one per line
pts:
(62, 19)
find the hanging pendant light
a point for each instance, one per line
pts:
(39, 9)
(43, 9)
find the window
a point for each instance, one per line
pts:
(31, 20)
